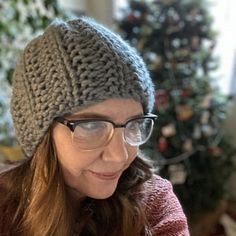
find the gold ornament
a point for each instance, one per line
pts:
(184, 112)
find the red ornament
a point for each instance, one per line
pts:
(132, 18)
(162, 144)
(184, 93)
(214, 151)
(161, 99)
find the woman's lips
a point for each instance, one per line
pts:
(106, 175)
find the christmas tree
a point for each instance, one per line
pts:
(176, 40)
(20, 21)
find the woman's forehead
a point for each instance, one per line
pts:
(111, 109)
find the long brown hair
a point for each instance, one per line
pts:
(36, 191)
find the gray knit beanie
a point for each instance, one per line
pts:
(72, 65)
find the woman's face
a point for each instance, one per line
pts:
(95, 173)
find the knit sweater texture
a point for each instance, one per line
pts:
(163, 210)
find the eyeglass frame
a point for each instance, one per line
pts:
(71, 124)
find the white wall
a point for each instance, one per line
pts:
(101, 10)
(224, 13)
(74, 5)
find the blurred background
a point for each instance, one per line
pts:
(190, 49)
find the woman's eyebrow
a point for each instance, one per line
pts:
(89, 115)
(98, 116)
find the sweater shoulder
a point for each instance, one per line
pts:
(157, 191)
(163, 210)
(157, 185)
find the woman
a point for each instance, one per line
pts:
(81, 106)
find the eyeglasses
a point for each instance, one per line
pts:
(90, 134)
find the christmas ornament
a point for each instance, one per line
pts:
(205, 117)
(175, 93)
(145, 30)
(195, 43)
(184, 93)
(177, 174)
(197, 131)
(194, 15)
(176, 43)
(206, 102)
(161, 99)
(188, 145)
(140, 44)
(162, 144)
(173, 63)
(214, 151)
(184, 112)
(155, 61)
(133, 17)
(207, 130)
(168, 130)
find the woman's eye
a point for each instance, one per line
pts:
(92, 126)
(134, 126)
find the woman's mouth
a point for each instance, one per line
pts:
(106, 175)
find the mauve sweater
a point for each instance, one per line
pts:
(163, 210)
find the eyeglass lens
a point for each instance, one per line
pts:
(138, 131)
(90, 135)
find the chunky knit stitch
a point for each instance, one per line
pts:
(164, 212)
(72, 65)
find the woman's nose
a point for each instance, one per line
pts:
(117, 149)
